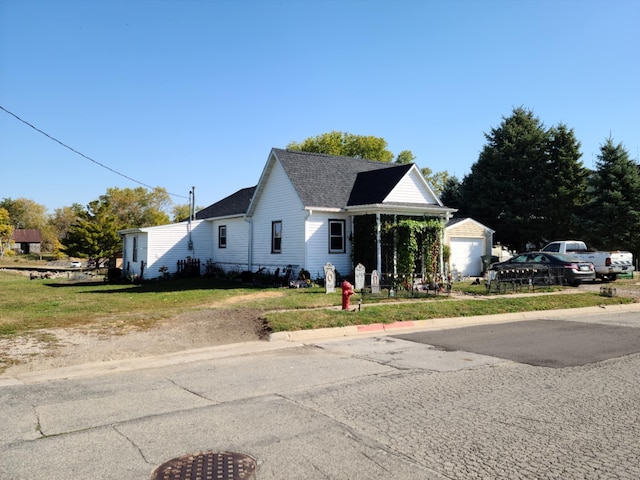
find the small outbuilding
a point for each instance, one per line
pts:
(26, 240)
(469, 242)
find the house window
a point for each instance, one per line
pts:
(336, 236)
(135, 249)
(276, 237)
(222, 236)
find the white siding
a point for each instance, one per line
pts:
(165, 245)
(235, 256)
(317, 241)
(278, 202)
(412, 189)
(128, 265)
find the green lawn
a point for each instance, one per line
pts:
(30, 305)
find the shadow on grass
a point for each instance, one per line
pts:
(160, 286)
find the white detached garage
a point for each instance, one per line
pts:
(468, 241)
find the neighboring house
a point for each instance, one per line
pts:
(469, 241)
(299, 214)
(26, 240)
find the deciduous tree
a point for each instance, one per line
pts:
(25, 213)
(28, 214)
(138, 207)
(95, 233)
(181, 212)
(6, 230)
(346, 144)
(61, 221)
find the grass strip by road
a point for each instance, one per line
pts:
(424, 310)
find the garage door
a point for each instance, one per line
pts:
(466, 256)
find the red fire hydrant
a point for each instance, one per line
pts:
(347, 291)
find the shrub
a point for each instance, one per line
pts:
(114, 275)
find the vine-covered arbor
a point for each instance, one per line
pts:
(400, 244)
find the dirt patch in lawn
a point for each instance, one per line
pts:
(54, 348)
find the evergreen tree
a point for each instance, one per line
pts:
(451, 194)
(613, 211)
(566, 177)
(528, 183)
(505, 186)
(95, 234)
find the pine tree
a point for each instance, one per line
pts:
(95, 234)
(613, 211)
(506, 184)
(566, 176)
(528, 183)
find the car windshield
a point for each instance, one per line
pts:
(562, 257)
(529, 258)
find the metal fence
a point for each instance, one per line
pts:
(409, 285)
(523, 279)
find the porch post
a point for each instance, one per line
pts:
(378, 246)
(395, 246)
(445, 274)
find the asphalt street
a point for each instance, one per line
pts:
(538, 396)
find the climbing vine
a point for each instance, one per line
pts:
(416, 242)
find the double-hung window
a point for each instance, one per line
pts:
(337, 242)
(222, 236)
(276, 236)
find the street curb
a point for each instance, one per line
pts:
(284, 340)
(304, 336)
(129, 364)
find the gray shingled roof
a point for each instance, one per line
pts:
(326, 180)
(235, 204)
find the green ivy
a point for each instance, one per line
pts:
(417, 242)
(417, 239)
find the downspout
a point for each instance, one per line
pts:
(305, 262)
(445, 273)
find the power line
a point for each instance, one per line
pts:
(83, 155)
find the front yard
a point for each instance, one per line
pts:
(40, 308)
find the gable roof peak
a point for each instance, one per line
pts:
(322, 180)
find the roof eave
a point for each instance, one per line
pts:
(224, 217)
(435, 210)
(324, 209)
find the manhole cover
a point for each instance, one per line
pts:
(207, 466)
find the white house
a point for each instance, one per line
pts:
(300, 214)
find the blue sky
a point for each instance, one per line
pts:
(182, 93)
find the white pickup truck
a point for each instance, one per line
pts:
(608, 265)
